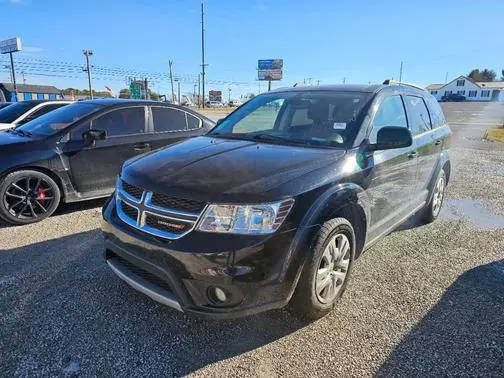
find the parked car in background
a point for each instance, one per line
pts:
(74, 153)
(279, 199)
(452, 97)
(21, 112)
(214, 104)
(4, 104)
(234, 103)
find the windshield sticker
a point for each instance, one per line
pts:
(356, 100)
(339, 125)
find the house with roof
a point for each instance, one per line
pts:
(28, 92)
(472, 90)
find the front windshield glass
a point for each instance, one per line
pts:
(12, 112)
(59, 119)
(313, 118)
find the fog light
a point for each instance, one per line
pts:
(217, 295)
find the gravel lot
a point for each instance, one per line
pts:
(427, 300)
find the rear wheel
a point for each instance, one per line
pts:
(432, 210)
(27, 197)
(325, 275)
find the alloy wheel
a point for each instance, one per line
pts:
(333, 268)
(437, 199)
(29, 197)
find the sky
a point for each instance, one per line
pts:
(326, 40)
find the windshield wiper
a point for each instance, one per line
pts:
(19, 132)
(270, 137)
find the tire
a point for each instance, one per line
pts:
(308, 300)
(28, 196)
(431, 211)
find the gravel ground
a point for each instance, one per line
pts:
(426, 300)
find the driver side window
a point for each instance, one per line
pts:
(390, 113)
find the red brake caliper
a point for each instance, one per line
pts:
(41, 194)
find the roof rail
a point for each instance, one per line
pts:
(394, 82)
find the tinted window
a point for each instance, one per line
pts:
(59, 119)
(76, 133)
(168, 119)
(193, 122)
(14, 111)
(44, 110)
(125, 121)
(390, 113)
(419, 118)
(436, 113)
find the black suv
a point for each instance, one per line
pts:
(453, 97)
(75, 153)
(278, 200)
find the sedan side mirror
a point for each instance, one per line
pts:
(391, 137)
(92, 135)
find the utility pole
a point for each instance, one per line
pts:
(24, 79)
(269, 85)
(194, 91)
(199, 90)
(400, 73)
(203, 52)
(170, 63)
(318, 83)
(177, 80)
(229, 95)
(146, 89)
(344, 80)
(446, 78)
(87, 54)
(13, 75)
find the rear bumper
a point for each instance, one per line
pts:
(256, 273)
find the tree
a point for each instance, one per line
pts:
(484, 75)
(153, 95)
(124, 93)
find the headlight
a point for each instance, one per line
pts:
(245, 219)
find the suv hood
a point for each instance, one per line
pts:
(11, 138)
(214, 169)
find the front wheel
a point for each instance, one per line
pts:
(326, 273)
(28, 196)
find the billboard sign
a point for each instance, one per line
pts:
(270, 64)
(215, 96)
(273, 74)
(10, 45)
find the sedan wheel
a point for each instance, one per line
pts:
(437, 199)
(28, 196)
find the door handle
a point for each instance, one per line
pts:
(141, 146)
(437, 142)
(412, 154)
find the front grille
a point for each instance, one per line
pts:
(174, 203)
(132, 190)
(129, 211)
(167, 225)
(148, 276)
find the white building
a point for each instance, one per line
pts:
(472, 90)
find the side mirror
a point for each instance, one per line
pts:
(391, 137)
(91, 136)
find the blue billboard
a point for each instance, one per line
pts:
(270, 64)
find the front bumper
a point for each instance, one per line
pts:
(257, 273)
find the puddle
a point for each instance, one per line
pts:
(474, 211)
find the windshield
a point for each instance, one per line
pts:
(59, 119)
(314, 118)
(12, 112)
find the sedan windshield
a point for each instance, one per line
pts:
(313, 118)
(59, 119)
(12, 112)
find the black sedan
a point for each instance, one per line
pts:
(74, 153)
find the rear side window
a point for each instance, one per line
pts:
(168, 119)
(390, 113)
(436, 113)
(193, 122)
(120, 122)
(418, 115)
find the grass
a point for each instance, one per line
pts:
(495, 135)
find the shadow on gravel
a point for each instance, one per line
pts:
(62, 310)
(463, 332)
(67, 208)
